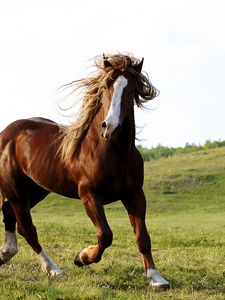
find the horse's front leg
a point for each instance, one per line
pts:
(94, 209)
(136, 208)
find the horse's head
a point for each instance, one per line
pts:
(117, 83)
(120, 92)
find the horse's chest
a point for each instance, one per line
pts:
(109, 177)
(112, 181)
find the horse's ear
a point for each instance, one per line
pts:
(138, 67)
(106, 63)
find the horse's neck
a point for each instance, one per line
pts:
(127, 135)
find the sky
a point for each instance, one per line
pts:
(47, 43)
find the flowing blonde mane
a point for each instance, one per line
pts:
(93, 88)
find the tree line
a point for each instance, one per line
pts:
(164, 151)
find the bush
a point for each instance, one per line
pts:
(164, 151)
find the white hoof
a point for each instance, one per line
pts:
(156, 280)
(52, 269)
(48, 265)
(56, 271)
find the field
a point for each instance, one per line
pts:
(186, 219)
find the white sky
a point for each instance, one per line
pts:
(46, 43)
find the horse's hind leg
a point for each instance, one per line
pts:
(27, 229)
(9, 248)
(136, 207)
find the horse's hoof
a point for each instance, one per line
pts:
(56, 271)
(159, 287)
(77, 260)
(156, 281)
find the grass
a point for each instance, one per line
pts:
(186, 219)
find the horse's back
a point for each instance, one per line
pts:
(29, 153)
(43, 120)
(17, 127)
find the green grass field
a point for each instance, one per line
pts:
(186, 219)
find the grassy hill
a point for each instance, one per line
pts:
(187, 182)
(186, 219)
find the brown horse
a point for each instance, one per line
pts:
(94, 159)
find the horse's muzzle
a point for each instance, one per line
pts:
(109, 131)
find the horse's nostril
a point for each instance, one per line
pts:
(104, 125)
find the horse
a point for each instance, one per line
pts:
(93, 159)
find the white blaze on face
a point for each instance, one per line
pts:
(113, 117)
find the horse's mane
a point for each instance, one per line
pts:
(93, 88)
